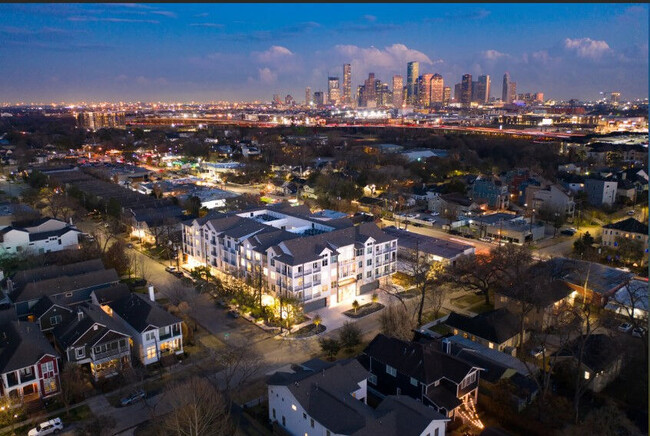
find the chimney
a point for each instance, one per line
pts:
(70, 221)
(10, 285)
(80, 315)
(446, 346)
(152, 295)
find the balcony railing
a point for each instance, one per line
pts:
(108, 354)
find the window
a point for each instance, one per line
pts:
(56, 319)
(369, 250)
(324, 262)
(299, 269)
(372, 379)
(47, 367)
(369, 262)
(49, 385)
(390, 370)
(151, 352)
(312, 423)
(360, 264)
(272, 262)
(414, 381)
(315, 265)
(333, 285)
(304, 415)
(274, 413)
(369, 274)
(587, 375)
(80, 353)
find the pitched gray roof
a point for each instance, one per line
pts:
(140, 312)
(112, 293)
(21, 278)
(81, 331)
(22, 344)
(629, 225)
(427, 244)
(495, 326)
(59, 285)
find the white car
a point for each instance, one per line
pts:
(625, 327)
(48, 427)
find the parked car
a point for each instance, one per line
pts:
(639, 332)
(435, 213)
(538, 351)
(631, 212)
(133, 398)
(625, 327)
(233, 314)
(48, 427)
(568, 232)
(485, 239)
(173, 270)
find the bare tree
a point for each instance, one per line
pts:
(198, 408)
(73, 384)
(397, 322)
(240, 365)
(632, 302)
(475, 272)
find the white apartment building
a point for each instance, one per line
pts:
(41, 236)
(318, 261)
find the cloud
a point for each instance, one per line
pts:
(213, 25)
(370, 18)
(273, 54)
(492, 55)
(396, 55)
(204, 14)
(167, 14)
(371, 27)
(266, 76)
(587, 48)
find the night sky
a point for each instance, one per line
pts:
(246, 52)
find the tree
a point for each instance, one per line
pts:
(396, 322)
(330, 346)
(606, 420)
(240, 365)
(475, 272)
(115, 257)
(317, 321)
(198, 408)
(630, 250)
(73, 384)
(102, 425)
(193, 205)
(349, 336)
(355, 306)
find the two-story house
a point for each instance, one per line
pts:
(95, 339)
(42, 236)
(328, 399)
(29, 366)
(498, 329)
(628, 229)
(155, 332)
(420, 371)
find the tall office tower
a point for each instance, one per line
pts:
(457, 92)
(614, 98)
(384, 95)
(539, 97)
(308, 99)
(446, 95)
(398, 84)
(466, 90)
(483, 89)
(512, 91)
(333, 91)
(347, 84)
(424, 90)
(319, 98)
(474, 96)
(437, 89)
(505, 93)
(412, 73)
(368, 92)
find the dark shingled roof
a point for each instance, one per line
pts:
(556, 291)
(22, 344)
(599, 278)
(441, 396)
(59, 285)
(21, 278)
(112, 293)
(81, 330)
(629, 225)
(495, 326)
(44, 304)
(599, 353)
(421, 361)
(140, 312)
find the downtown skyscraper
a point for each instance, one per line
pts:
(398, 86)
(412, 74)
(333, 91)
(466, 90)
(483, 89)
(347, 84)
(509, 91)
(437, 89)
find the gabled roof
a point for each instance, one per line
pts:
(60, 285)
(112, 293)
(601, 279)
(22, 344)
(421, 361)
(44, 304)
(629, 225)
(87, 329)
(21, 278)
(140, 312)
(556, 291)
(599, 353)
(495, 326)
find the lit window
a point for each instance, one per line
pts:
(293, 406)
(587, 375)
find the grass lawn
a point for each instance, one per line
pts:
(430, 315)
(468, 300)
(441, 329)
(308, 330)
(403, 280)
(481, 307)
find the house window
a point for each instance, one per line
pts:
(414, 381)
(56, 319)
(49, 385)
(304, 415)
(47, 367)
(369, 274)
(390, 370)
(151, 352)
(587, 375)
(273, 413)
(80, 353)
(315, 265)
(369, 250)
(372, 379)
(324, 262)
(369, 262)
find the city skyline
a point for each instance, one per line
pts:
(170, 52)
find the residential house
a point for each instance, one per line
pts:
(69, 284)
(454, 202)
(627, 229)
(421, 371)
(29, 366)
(317, 262)
(491, 190)
(149, 223)
(631, 300)
(40, 236)
(429, 248)
(626, 190)
(593, 281)
(94, 339)
(155, 332)
(48, 314)
(328, 399)
(542, 309)
(601, 359)
(497, 329)
(601, 192)
(551, 197)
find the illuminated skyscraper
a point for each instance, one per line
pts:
(437, 89)
(483, 89)
(424, 90)
(412, 73)
(457, 92)
(466, 90)
(509, 91)
(512, 91)
(347, 84)
(319, 98)
(333, 91)
(446, 95)
(368, 92)
(398, 84)
(308, 100)
(614, 98)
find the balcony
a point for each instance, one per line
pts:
(109, 354)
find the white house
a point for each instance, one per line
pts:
(329, 399)
(155, 332)
(41, 236)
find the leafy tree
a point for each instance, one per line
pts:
(330, 346)
(355, 306)
(349, 336)
(317, 321)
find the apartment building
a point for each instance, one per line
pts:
(316, 260)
